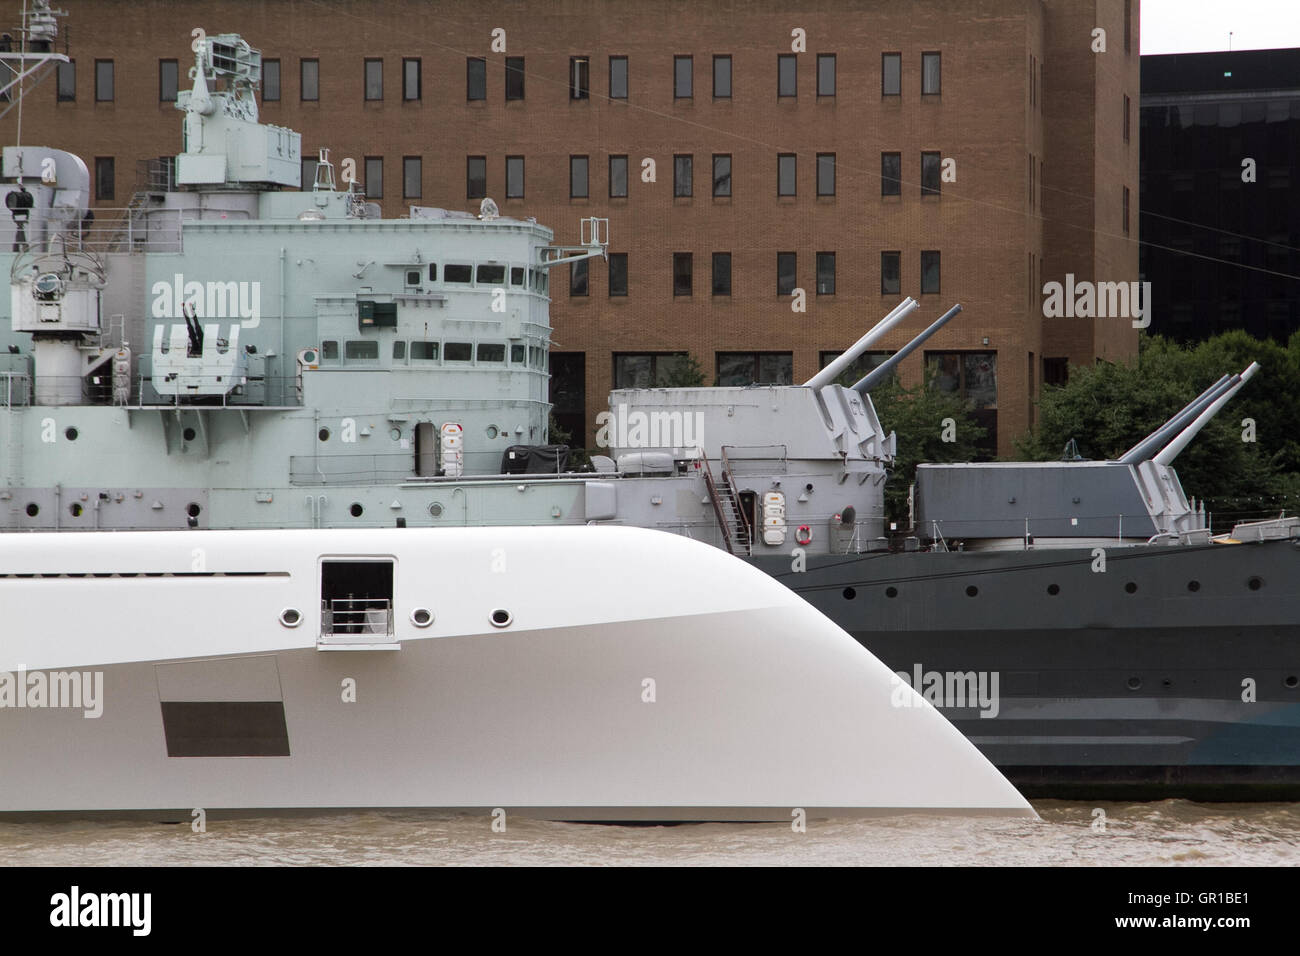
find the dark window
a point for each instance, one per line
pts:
(578, 188)
(722, 273)
(270, 81)
(825, 174)
(475, 177)
(489, 274)
(618, 77)
(412, 177)
(971, 375)
(1056, 371)
(307, 172)
(930, 74)
(825, 273)
(930, 166)
(168, 77)
(67, 81)
(411, 79)
(647, 369)
(1128, 26)
(457, 273)
(514, 78)
(683, 77)
(929, 271)
(579, 77)
(1126, 210)
(374, 177)
(722, 77)
(458, 351)
(681, 273)
(891, 174)
(424, 351)
(786, 273)
(1127, 111)
(683, 168)
(475, 78)
(309, 79)
(617, 274)
(785, 174)
(491, 352)
(374, 79)
(749, 368)
(514, 177)
(890, 283)
(105, 177)
(361, 349)
(618, 177)
(787, 73)
(517, 275)
(103, 81)
(825, 74)
(891, 74)
(578, 284)
(722, 174)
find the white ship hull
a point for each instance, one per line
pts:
(641, 676)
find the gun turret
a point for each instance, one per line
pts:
(1161, 436)
(1170, 451)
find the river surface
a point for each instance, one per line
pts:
(1165, 833)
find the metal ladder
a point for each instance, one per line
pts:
(726, 507)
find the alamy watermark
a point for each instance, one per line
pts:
(624, 429)
(1098, 300)
(211, 300)
(945, 689)
(55, 689)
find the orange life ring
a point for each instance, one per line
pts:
(804, 534)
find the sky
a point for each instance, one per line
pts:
(1201, 26)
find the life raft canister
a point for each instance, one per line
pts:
(804, 534)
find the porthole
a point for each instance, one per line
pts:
(291, 617)
(972, 591)
(323, 434)
(891, 592)
(1166, 683)
(493, 432)
(421, 617)
(435, 509)
(70, 434)
(75, 509)
(1255, 583)
(189, 434)
(1053, 589)
(1291, 681)
(1131, 587)
(192, 509)
(1193, 586)
(500, 617)
(395, 434)
(33, 509)
(356, 510)
(850, 594)
(1134, 683)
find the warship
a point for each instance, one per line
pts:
(238, 350)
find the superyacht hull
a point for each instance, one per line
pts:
(1172, 672)
(572, 673)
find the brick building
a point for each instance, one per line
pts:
(952, 150)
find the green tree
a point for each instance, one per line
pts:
(684, 373)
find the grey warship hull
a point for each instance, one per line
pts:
(1175, 670)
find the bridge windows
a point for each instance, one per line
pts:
(424, 351)
(458, 351)
(492, 352)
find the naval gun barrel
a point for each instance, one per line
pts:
(1161, 436)
(1170, 451)
(829, 373)
(877, 374)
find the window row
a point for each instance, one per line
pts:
(786, 274)
(416, 352)
(720, 180)
(969, 375)
(476, 78)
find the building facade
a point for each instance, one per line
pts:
(1221, 192)
(775, 179)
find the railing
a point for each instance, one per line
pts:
(16, 388)
(155, 175)
(350, 469)
(756, 459)
(356, 616)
